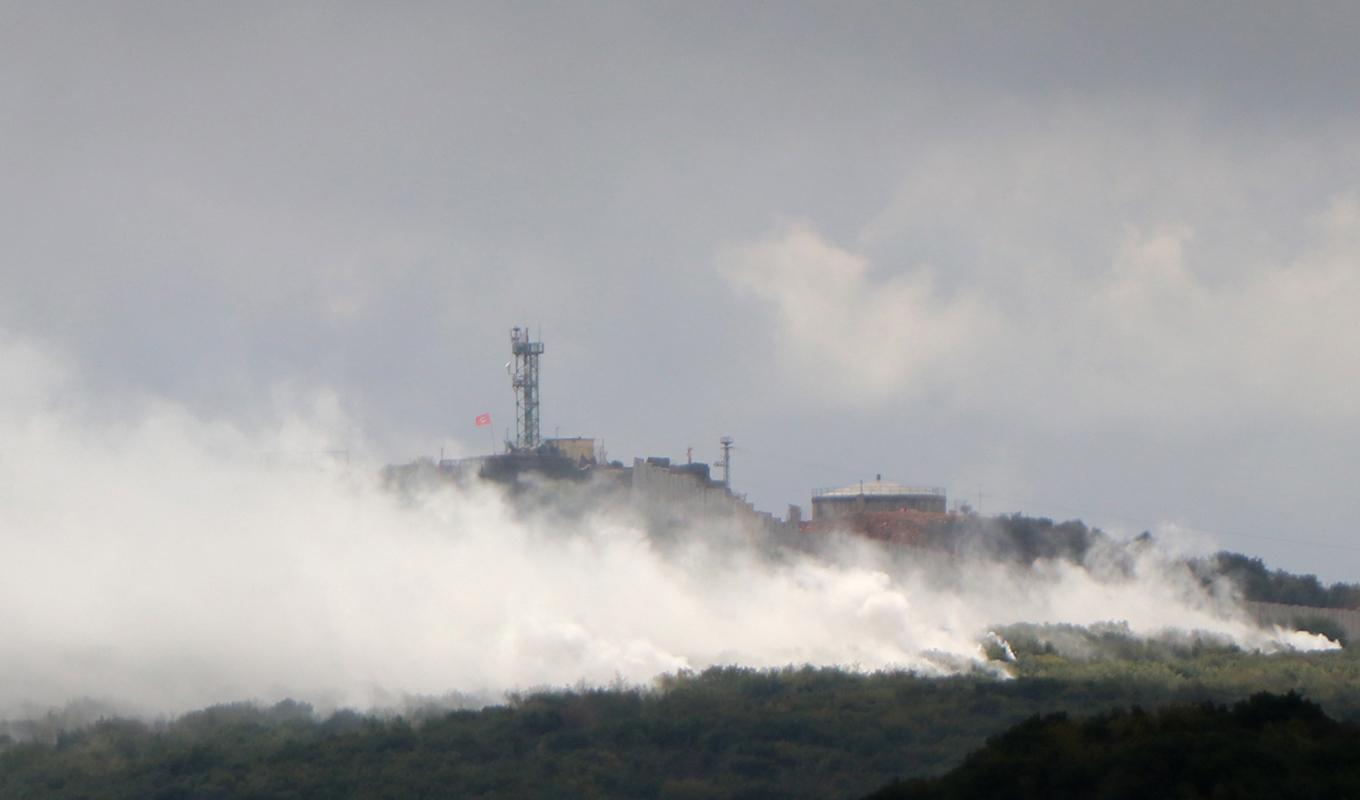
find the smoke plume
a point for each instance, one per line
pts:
(159, 561)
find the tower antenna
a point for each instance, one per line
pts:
(524, 379)
(726, 462)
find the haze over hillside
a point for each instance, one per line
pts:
(176, 562)
(1084, 261)
(362, 367)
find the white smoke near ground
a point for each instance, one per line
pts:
(159, 562)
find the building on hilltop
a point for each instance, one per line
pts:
(577, 449)
(889, 512)
(686, 494)
(876, 496)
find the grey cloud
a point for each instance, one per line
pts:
(207, 202)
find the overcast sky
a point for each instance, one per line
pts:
(1088, 260)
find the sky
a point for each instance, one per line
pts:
(1076, 260)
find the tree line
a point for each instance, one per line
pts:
(726, 732)
(1269, 746)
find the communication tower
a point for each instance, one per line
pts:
(524, 378)
(726, 462)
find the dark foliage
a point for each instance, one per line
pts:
(1024, 540)
(1268, 746)
(725, 733)
(1257, 582)
(1015, 537)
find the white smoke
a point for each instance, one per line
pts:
(162, 562)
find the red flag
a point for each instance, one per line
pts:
(483, 420)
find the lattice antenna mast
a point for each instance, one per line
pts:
(726, 462)
(525, 380)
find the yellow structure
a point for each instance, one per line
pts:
(577, 448)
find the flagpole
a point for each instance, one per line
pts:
(485, 419)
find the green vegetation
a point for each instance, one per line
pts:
(1016, 537)
(723, 733)
(741, 733)
(1257, 582)
(1267, 747)
(1022, 539)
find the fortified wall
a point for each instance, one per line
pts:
(684, 493)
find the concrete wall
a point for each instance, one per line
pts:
(578, 448)
(680, 495)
